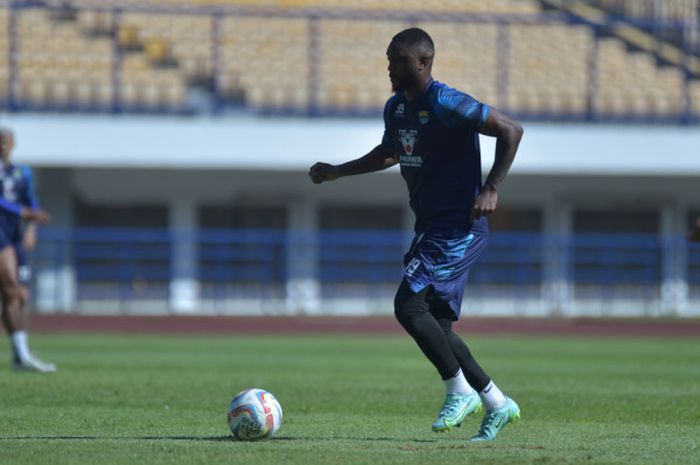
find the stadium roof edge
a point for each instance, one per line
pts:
(294, 143)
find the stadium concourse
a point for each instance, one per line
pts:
(171, 141)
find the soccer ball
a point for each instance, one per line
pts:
(254, 414)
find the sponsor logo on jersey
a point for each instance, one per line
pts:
(408, 140)
(412, 161)
(399, 110)
(423, 117)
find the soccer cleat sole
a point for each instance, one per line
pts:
(513, 419)
(446, 428)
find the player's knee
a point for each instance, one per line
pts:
(409, 311)
(12, 292)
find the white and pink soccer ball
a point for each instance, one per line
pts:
(254, 414)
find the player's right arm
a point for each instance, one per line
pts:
(35, 215)
(29, 199)
(379, 158)
(27, 214)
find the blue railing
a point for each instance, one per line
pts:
(212, 98)
(130, 264)
(611, 259)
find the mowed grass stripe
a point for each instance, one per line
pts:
(347, 399)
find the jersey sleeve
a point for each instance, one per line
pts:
(459, 109)
(387, 140)
(28, 197)
(10, 207)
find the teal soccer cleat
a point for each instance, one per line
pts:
(495, 421)
(455, 409)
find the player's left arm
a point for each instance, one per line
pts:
(29, 199)
(508, 133)
(29, 236)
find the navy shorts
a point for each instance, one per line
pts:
(443, 260)
(8, 237)
(12, 238)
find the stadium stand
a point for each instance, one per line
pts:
(265, 61)
(352, 75)
(548, 68)
(59, 65)
(580, 61)
(631, 82)
(677, 9)
(466, 6)
(4, 51)
(476, 68)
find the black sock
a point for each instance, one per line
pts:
(412, 310)
(475, 375)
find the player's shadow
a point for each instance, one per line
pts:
(204, 438)
(116, 438)
(349, 438)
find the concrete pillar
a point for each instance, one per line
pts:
(184, 287)
(557, 287)
(303, 285)
(55, 281)
(674, 279)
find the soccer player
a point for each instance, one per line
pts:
(694, 233)
(432, 130)
(17, 204)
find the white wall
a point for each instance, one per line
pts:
(284, 144)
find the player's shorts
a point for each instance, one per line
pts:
(9, 230)
(443, 260)
(6, 238)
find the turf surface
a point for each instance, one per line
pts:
(123, 399)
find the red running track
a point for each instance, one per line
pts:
(180, 324)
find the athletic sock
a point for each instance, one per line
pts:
(458, 385)
(19, 344)
(492, 397)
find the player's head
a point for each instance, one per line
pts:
(410, 56)
(7, 142)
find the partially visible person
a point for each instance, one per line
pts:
(694, 233)
(18, 205)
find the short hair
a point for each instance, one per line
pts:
(415, 37)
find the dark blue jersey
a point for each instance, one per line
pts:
(17, 187)
(437, 142)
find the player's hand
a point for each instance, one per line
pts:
(694, 233)
(320, 172)
(485, 203)
(35, 214)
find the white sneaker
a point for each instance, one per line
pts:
(32, 363)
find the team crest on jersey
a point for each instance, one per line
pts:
(408, 140)
(399, 110)
(423, 117)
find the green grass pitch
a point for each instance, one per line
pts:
(126, 399)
